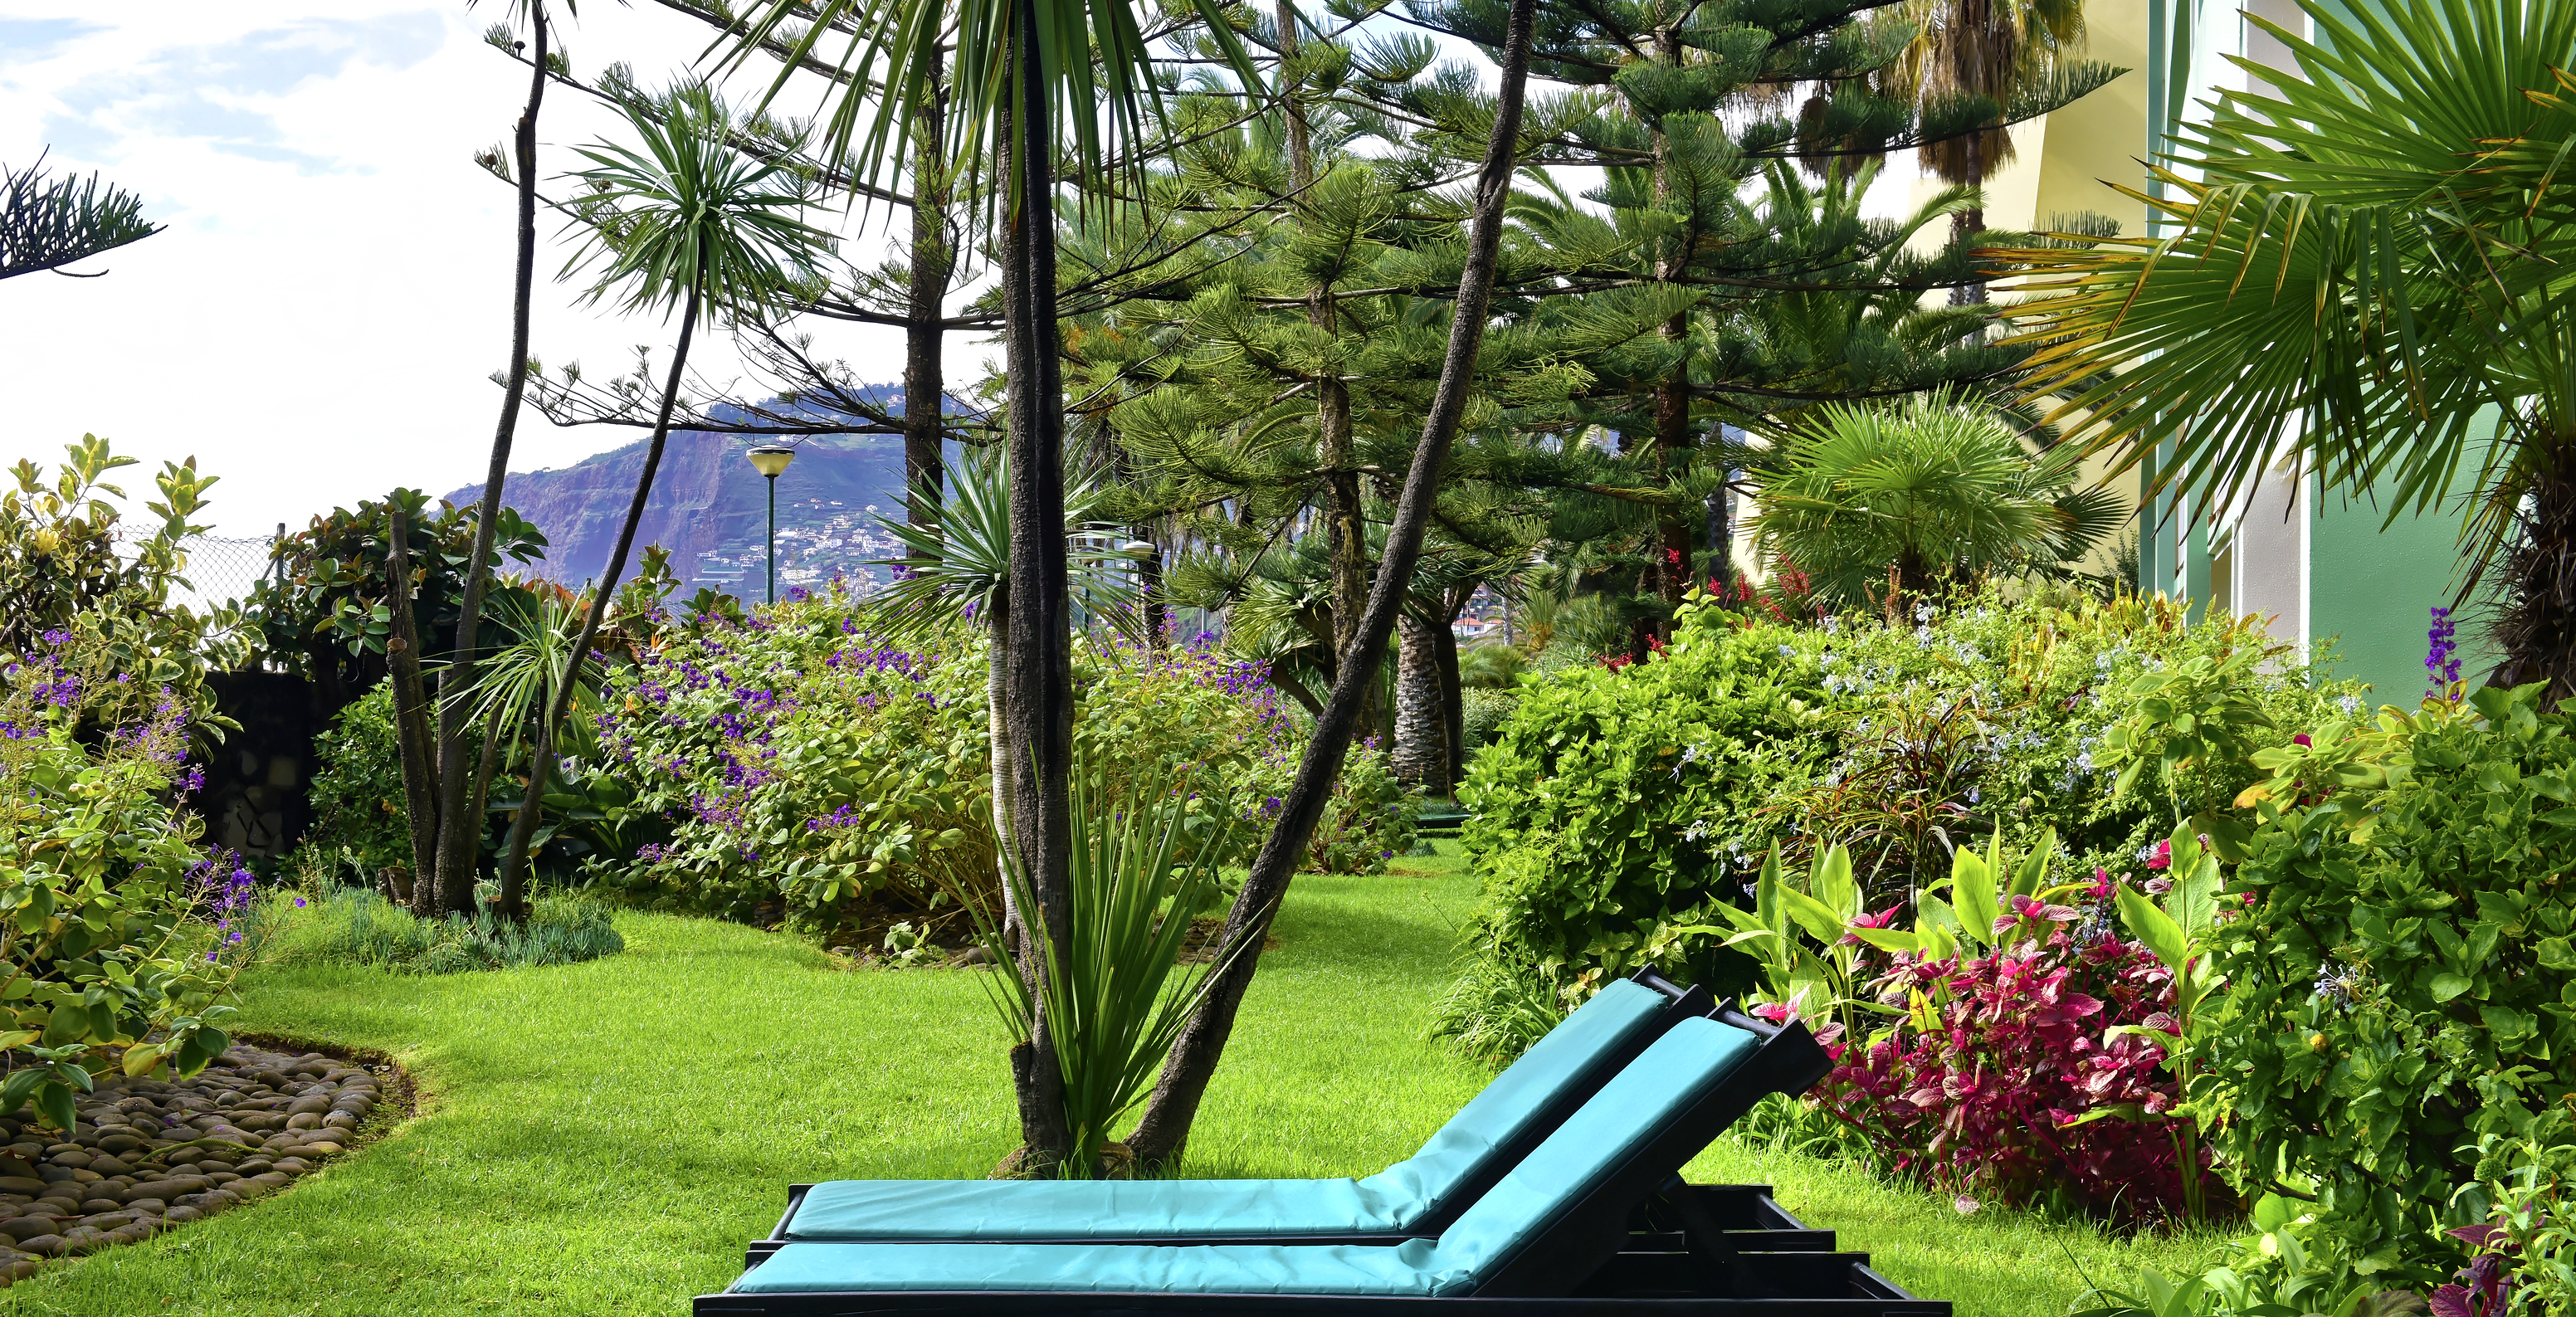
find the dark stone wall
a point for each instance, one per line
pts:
(254, 799)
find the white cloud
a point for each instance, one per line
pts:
(319, 321)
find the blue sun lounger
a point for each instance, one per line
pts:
(1550, 1237)
(1417, 1197)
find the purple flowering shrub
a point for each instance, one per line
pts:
(813, 774)
(118, 924)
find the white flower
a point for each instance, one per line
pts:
(1833, 626)
(2351, 705)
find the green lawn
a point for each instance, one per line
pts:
(605, 1137)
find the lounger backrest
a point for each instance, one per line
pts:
(1596, 1035)
(1682, 1068)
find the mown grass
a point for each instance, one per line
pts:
(604, 1137)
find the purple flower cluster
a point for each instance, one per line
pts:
(227, 887)
(2441, 659)
(839, 818)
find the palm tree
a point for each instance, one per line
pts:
(1017, 61)
(689, 224)
(1884, 503)
(2362, 259)
(1996, 50)
(1020, 67)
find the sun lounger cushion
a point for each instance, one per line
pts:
(1627, 1114)
(1386, 1203)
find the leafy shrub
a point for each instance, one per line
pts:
(813, 775)
(1617, 809)
(1483, 712)
(360, 826)
(325, 615)
(2399, 989)
(1372, 819)
(100, 874)
(358, 927)
(68, 564)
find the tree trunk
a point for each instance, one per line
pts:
(541, 757)
(1972, 220)
(1453, 707)
(1421, 730)
(1345, 524)
(1038, 679)
(2535, 624)
(1669, 568)
(411, 712)
(1163, 1134)
(997, 732)
(934, 259)
(460, 791)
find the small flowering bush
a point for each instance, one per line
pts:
(812, 774)
(117, 938)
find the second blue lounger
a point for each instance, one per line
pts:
(1416, 1197)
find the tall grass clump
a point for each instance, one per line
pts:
(357, 927)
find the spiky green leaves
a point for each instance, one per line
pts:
(688, 212)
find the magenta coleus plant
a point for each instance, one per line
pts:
(2001, 1082)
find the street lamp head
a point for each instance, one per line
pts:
(770, 459)
(1141, 550)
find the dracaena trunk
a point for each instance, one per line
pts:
(541, 757)
(925, 389)
(1163, 1134)
(462, 782)
(1037, 679)
(411, 713)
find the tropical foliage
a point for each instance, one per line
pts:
(2361, 275)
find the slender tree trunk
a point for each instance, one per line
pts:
(1453, 708)
(1421, 751)
(1038, 679)
(997, 731)
(1163, 1134)
(460, 848)
(541, 757)
(934, 259)
(411, 712)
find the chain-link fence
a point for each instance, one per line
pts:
(223, 568)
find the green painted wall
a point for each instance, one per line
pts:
(2370, 592)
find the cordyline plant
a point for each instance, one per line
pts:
(684, 224)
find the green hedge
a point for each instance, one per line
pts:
(1616, 805)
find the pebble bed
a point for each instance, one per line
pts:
(149, 1154)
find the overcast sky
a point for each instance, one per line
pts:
(320, 320)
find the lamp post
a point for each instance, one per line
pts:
(771, 461)
(1148, 557)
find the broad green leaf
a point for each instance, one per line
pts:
(1889, 939)
(1972, 882)
(2447, 985)
(2152, 927)
(1831, 882)
(1813, 915)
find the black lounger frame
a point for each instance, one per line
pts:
(1684, 1004)
(1591, 1260)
